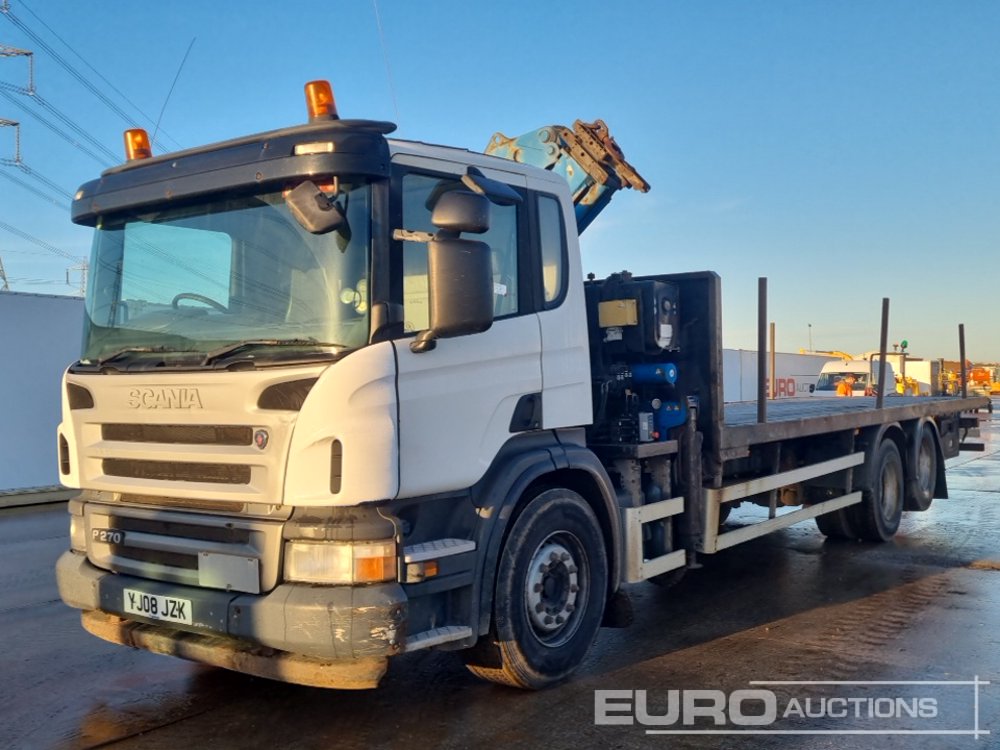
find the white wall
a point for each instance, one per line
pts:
(39, 337)
(795, 373)
(926, 373)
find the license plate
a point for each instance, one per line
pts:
(156, 607)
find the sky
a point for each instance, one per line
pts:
(846, 151)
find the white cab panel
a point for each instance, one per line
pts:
(566, 398)
(456, 402)
(354, 402)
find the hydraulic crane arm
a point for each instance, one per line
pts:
(586, 155)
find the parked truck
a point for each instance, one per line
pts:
(344, 397)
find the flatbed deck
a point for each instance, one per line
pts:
(799, 417)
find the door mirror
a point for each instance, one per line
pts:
(314, 210)
(460, 286)
(461, 211)
(497, 192)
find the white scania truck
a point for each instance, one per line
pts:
(343, 397)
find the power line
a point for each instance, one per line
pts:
(18, 162)
(6, 51)
(40, 243)
(58, 131)
(44, 180)
(5, 9)
(81, 268)
(32, 189)
(32, 281)
(65, 64)
(69, 122)
(94, 70)
(36, 253)
(4, 123)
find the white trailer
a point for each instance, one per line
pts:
(795, 374)
(39, 335)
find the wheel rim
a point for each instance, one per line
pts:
(892, 496)
(556, 588)
(925, 466)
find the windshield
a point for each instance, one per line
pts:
(828, 380)
(187, 282)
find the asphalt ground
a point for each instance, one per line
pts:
(791, 607)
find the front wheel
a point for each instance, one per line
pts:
(550, 593)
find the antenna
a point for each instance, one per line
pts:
(385, 58)
(178, 75)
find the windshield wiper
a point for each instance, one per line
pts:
(223, 351)
(119, 353)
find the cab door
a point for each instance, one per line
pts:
(457, 401)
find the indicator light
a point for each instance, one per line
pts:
(319, 101)
(137, 144)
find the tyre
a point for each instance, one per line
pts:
(836, 525)
(876, 518)
(551, 588)
(920, 489)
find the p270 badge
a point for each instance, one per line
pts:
(107, 536)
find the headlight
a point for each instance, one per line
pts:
(340, 562)
(77, 534)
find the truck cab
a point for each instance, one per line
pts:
(320, 369)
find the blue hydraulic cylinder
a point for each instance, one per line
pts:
(654, 374)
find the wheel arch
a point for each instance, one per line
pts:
(871, 439)
(513, 482)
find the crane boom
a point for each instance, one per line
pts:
(586, 155)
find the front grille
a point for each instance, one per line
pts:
(230, 553)
(177, 471)
(225, 534)
(159, 501)
(179, 434)
(156, 557)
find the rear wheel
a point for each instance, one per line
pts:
(920, 489)
(550, 594)
(836, 525)
(878, 515)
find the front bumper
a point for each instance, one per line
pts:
(325, 636)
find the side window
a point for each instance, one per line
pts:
(419, 192)
(552, 238)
